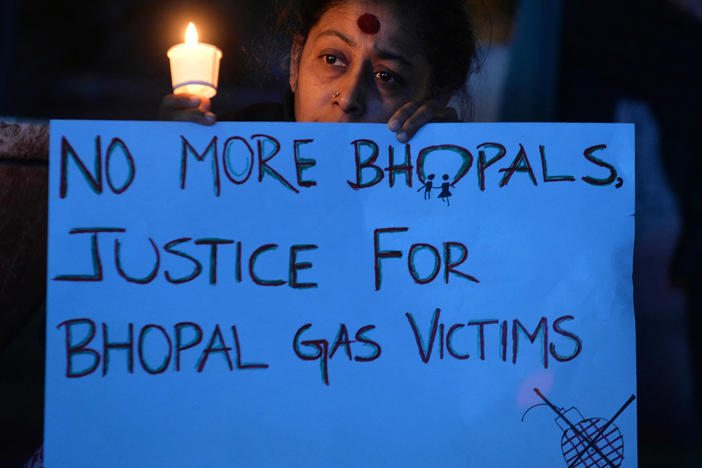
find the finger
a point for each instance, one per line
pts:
(187, 108)
(205, 104)
(173, 102)
(196, 115)
(403, 113)
(446, 114)
(423, 115)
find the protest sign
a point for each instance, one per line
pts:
(279, 294)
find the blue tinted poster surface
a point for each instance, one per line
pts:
(315, 295)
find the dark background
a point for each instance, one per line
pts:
(107, 60)
(570, 60)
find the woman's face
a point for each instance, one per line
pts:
(357, 65)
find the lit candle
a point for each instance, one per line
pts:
(194, 66)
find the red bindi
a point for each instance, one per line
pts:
(369, 24)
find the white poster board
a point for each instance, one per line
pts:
(278, 294)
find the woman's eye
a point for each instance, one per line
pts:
(333, 60)
(386, 77)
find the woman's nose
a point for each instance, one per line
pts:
(353, 92)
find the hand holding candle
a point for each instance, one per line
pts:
(194, 66)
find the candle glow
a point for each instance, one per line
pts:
(194, 66)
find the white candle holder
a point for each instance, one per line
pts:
(194, 66)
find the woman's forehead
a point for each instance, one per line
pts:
(360, 20)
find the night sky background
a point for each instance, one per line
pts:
(573, 60)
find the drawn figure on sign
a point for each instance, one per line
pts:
(445, 194)
(427, 187)
(588, 443)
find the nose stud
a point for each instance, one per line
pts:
(336, 94)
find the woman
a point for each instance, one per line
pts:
(390, 61)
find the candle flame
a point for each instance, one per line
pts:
(191, 34)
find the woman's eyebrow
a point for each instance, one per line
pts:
(335, 33)
(387, 55)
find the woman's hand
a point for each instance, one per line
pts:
(186, 108)
(412, 116)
